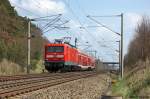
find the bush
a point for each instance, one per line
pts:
(10, 68)
(134, 82)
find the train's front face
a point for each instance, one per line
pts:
(54, 57)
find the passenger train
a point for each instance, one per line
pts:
(65, 57)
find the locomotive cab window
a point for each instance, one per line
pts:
(55, 49)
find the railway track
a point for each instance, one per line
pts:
(20, 84)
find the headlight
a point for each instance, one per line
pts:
(60, 56)
(49, 56)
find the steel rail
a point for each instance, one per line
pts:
(32, 80)
(40, 83)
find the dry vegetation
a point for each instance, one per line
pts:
(9, 68)
(137, 64)
(139, 48)
(140, 79)
(136, 83)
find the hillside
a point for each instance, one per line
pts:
(13, 37)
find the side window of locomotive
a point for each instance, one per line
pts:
(55, 49)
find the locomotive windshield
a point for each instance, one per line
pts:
(55, 49)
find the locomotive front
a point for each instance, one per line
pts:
(54, 57)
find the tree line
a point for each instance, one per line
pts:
(139, 48)
(13, 37)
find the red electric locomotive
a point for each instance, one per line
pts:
(65, 57)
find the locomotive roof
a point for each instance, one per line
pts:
(60, 44)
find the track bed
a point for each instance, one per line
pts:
(20, 84)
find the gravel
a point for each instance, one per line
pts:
(86, 88)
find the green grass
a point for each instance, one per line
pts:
(121, 89)
(132, 85)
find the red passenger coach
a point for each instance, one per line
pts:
(65, 57)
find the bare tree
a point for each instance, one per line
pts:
(139, 48)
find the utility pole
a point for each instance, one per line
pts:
(121, 58)
(29, 37)
(29, 47)
(120, 34)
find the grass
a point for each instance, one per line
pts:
(121, 89)
(133, 84)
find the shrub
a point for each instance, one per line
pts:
(10, 68)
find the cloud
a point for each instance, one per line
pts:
(73, 24)
(40, 7)
(132, 19)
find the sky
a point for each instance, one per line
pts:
(87, 31)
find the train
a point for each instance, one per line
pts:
(66, 57)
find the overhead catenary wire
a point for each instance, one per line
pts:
(78, 20)
(84, 12)
(93, 37)
(103, 25)
(54, 22)
(51, 22)
(106, 16)
(74, 15)
(40, 18)
(56, 26)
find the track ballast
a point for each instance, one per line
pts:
(15, 85)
